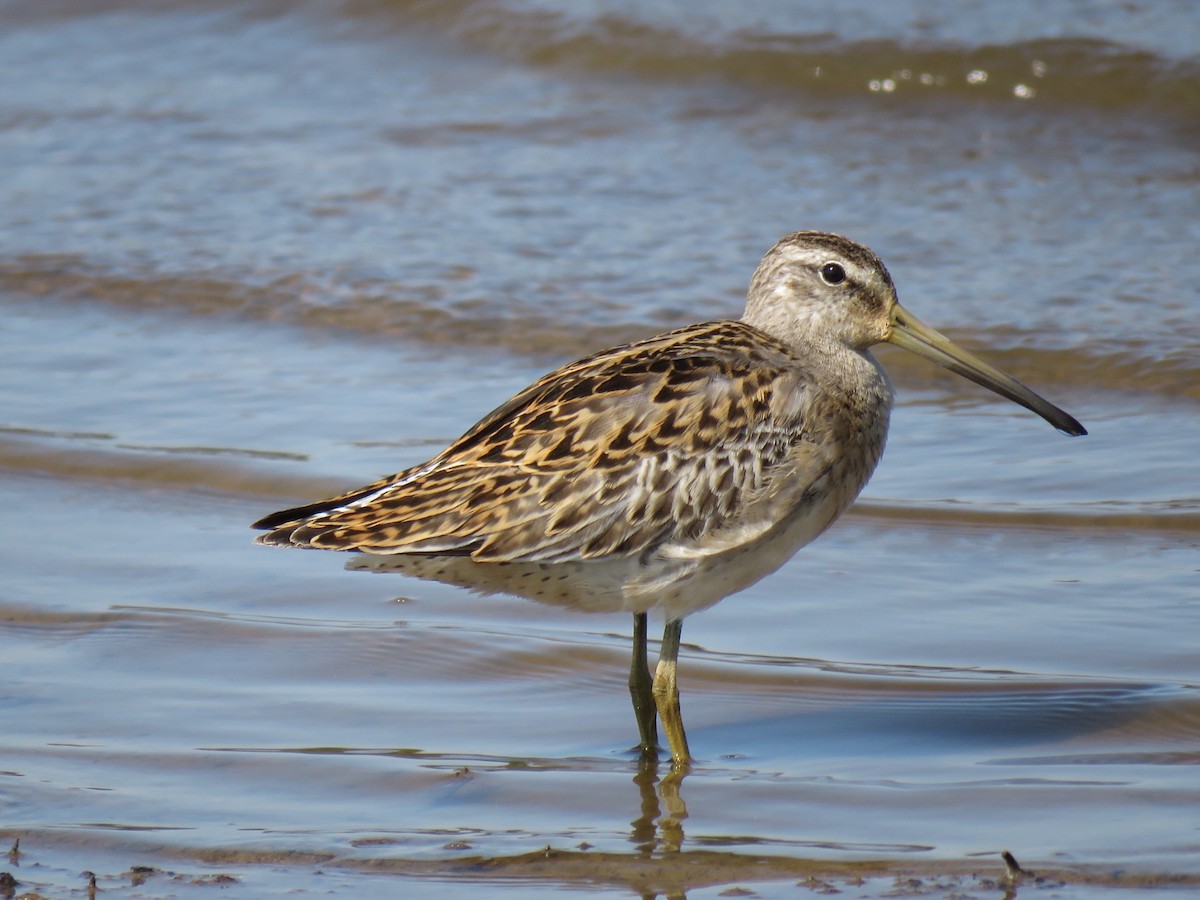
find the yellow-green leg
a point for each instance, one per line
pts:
(666, 694)
(641, 690)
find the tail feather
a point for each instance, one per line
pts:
(299, 513)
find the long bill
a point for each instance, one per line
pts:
(910, 333)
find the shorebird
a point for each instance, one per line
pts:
(663, 475)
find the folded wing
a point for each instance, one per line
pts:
(659, 442)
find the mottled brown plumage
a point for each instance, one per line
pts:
(663, 442)
(664, 474)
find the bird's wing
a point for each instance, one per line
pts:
(661, 441)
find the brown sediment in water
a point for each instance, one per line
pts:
(421, 313)
(96, 457)
(670, 874)
(430, 314)
(676, 873)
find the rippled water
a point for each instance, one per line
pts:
(253, 253)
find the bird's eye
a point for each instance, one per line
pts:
(832, 273)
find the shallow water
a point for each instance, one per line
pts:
(254, 253)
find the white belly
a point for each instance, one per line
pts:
(675, 585)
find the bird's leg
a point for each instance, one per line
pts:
(666, 694)
(641, 691)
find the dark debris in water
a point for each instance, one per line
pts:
(140, 875)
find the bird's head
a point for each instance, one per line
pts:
(814, 289)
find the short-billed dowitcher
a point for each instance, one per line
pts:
(666, 474)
